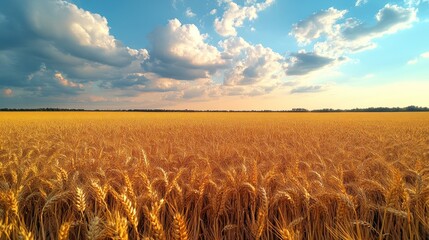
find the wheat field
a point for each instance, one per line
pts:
(95, 175)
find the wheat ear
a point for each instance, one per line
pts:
(180, 231)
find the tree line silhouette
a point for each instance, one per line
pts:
(370, 109)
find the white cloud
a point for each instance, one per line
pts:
(413, 61)
(360, 2)
(174, 3)
(213, 11)
(252, 64)
(321, 23)
(409, 3)
(7, 92)
(417, 59)
(180, 52)
(81, 33)
(189, 13)
(235, 15)
(350, 35)
(65, 82)
(414, 3)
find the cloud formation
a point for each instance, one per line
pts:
(334, 38)
(302, 63)
(251, 64)
(417, 59)
(66, 83)
(180, 52)
(189, 13)
(321, 23)
(56, 36)
(308, 89)
(413, 3)
(58, 51)
(409, 3)
(360, 2)
(67, 29)
(235, 15)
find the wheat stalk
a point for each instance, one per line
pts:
(130, 210)
(100, 193)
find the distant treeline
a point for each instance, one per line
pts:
(371, 109)
(377, 109)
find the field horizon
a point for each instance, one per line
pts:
(410, 108)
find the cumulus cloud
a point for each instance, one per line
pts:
(64, 39)
(321, 23)
(69, 51)
(251, 64)
(7, 92)
(235, 15)
(67, 28)
(181, 52)
(181, 64)
(349, 36)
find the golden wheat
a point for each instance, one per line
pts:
(214, 176)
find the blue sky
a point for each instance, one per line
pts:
(219, 54)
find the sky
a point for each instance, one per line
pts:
(214, 54)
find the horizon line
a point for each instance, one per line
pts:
(411, 108)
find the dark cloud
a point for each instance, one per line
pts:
(131, 80)
(62, 38)
(308, 89)
(47, 83)
(303, 63)
(389, 19)
(67, 29)
(175, 69)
